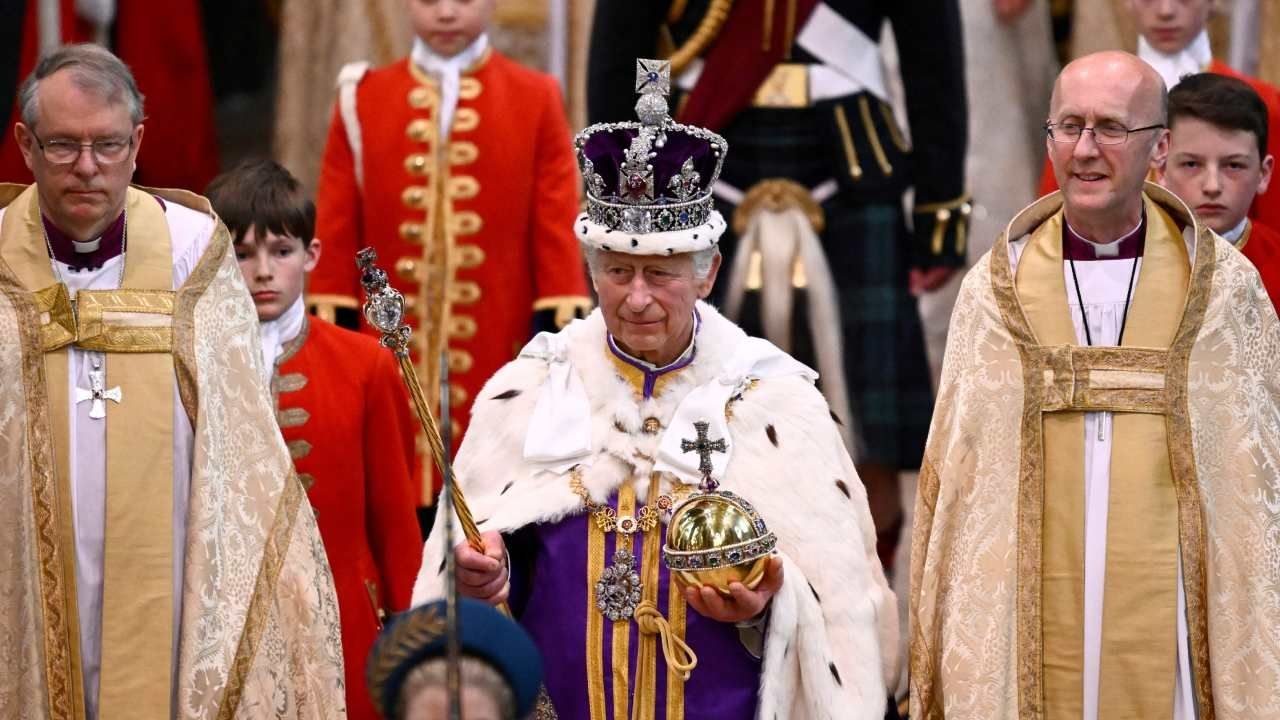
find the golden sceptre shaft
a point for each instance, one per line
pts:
(384, 309)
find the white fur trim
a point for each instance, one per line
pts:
(349, 78)
(835, 609)
(672, 242)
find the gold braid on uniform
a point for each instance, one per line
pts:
(707, 31)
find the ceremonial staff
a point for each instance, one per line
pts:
(384, 309)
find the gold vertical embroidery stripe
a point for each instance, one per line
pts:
(595, 622)
(621, 656)
(24, 263)
(1029, 656)
(1182, 462)
(676, 615)
(646, 694)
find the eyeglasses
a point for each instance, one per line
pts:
(1107, 133)
(65, 152)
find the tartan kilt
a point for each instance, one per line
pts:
(867, 246)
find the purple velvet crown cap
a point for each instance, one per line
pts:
(606, 151)
(650, 180)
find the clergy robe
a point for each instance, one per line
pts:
(161, 553)
(1045, 560)
(829, 646)
(1261, 245)
(469, 215)
(345, 416)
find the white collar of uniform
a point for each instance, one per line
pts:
(275, 333)
(448, 70)
(1194, 58)
(1234, 234)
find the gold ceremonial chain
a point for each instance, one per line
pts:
(606, 518)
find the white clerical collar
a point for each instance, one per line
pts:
(1234, 234)
(276, 333)
(1194, 58)
(448, 70)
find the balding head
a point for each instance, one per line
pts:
(1102, 182)
(1125, 75)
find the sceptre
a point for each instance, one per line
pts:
(384, 309)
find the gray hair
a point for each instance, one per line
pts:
(474, 673)
(702, 259)
(93, 69)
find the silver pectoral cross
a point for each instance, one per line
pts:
(98, 394)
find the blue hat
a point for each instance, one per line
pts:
(419, 634)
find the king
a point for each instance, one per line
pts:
(580, 449)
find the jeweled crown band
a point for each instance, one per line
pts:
(650, 218)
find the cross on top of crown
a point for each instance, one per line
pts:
(653, 76)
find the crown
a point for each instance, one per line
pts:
(649, 182)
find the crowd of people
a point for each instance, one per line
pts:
(779, 390)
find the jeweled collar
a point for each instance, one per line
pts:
(646, 376)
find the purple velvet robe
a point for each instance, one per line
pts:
(552, 603)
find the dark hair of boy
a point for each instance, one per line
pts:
(261, 194)
(1222, 101)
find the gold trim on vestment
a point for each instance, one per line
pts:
(125, 320)
(924, 674)
(49, 503)
(1182, 464)
(595, 622)
(184, 334)
(677, 615)
(621, 654)
(57, 320)
(264, 591)
(646, 692)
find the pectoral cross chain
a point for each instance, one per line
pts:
(97, 393)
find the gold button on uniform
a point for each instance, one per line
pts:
(417, 164)
(468, 256)
(419, 130)
(415, 196)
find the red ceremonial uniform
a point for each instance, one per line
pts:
(1261, 245)
(345, 416)
(474, 225)
(1266, 207)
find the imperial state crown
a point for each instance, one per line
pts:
(649, 182)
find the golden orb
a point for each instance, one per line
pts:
(716, 538)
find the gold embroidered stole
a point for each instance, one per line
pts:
(1138, 650)
(134, 325)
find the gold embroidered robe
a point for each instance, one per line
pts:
(982, 613)
(259, 632)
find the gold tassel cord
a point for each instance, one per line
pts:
(680, 657)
